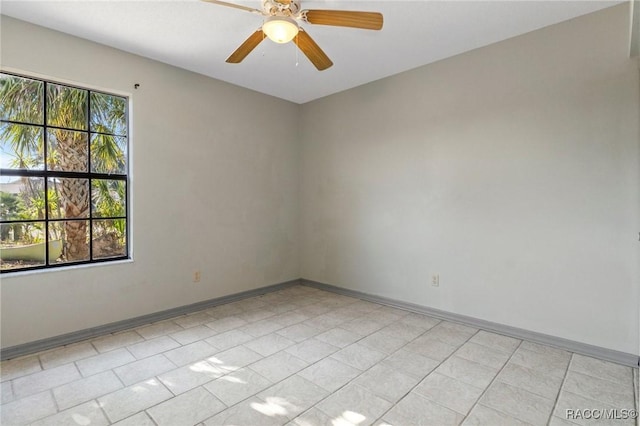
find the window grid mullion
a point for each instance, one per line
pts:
(45, 139)
(47, 173)
(68, 129)
(90, 195)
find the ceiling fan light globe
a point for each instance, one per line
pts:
(280, 29)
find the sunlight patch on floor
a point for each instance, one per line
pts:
(81, 420)
(273, 407)
(206, 368)
(348, 418)
(222, 365)
(233, 380)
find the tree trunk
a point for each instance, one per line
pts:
(74, 195)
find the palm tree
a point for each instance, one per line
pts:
(22, 100)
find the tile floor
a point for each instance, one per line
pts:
(306, 357)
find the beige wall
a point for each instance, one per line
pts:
(512, 171)
(214, 188)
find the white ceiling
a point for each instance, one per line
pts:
(199, 36)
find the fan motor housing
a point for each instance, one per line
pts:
(281, 8)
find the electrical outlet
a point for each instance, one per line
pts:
(196, 277)
(435, 280)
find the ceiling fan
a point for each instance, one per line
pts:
(281, 25)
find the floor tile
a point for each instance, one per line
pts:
(192, 352)
(636, 381)
(314, 417)
(237, 386)
(348, 312)
(601, 369)
(359, 356)
(557, 421)
(88, 413)
(401, 330)
(251, 412)
(158, 329)
(284, 357)
(386, 343)
(229, 339)
(416, 410)
(311, 350)
(383, 317)
(387, 383)
(316, 310)
(251, 304)
(363, 326)
(325, 322)
(191, 376)
(86, 389)
(545, 350)
(6, 392)
(431, 348)
(261, 328)
(518, 403)
(469, 372)
(192, 334)
(269, 344)
(224, 311)
(364, 306)
(255, 315)
(343, 315)
(599, 389)
(26, 410)
(329, 374)
(449, 393)
(140, 419)
(234, 358)
(338, 337)
(66, 354)
(278, 366)
(144, 369)
(186, 409)
(105, 361)
(298, 332)
(19, 367)
(43, 380)
(417, 320)
(355, 403)
(410, 363)
(152, 347)
(191, 320)
(225, 324)
(290, 318)
(482, 355)
(548, 362)
(293, 395)
(128, 401)
(485, 416)
(496, 341)
(115, 341)
(450, 333)
(531, 380)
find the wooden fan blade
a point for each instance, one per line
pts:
(235, 6)
(345, 18)
(312, 50)
(246, 47)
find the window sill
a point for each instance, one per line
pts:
(9, 275)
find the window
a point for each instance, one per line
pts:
(63, 175)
